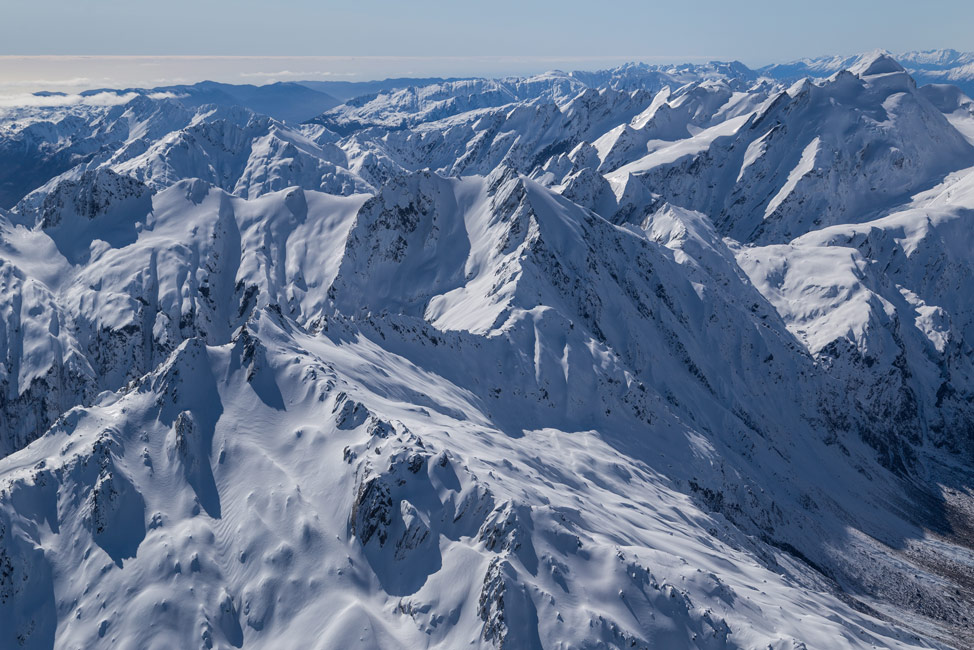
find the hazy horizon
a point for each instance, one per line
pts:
(23, 75)
(115, 43)
(76, 73)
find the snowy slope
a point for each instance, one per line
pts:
(664, 356)
(814, 155)
(926, 66)
(415, 103)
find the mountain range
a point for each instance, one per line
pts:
(658, 356)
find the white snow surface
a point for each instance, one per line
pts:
(655, 357)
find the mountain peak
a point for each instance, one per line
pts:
(876, 62)
(658, 356)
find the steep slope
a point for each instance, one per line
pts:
(411, 522)
(926, 66)
(437, 536)
(413, 105)
(124, 278)
(39, 143)
(816, 155)
(579, 326)
(886, 298)
(661, 356)
(246, 154)
(399, 107)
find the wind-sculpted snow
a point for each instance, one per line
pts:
(669, 356)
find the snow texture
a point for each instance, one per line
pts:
(652, 357)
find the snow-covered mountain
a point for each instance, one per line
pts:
(284, 101)
(651, 357)
(926, 66)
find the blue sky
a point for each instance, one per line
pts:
(754, 31)
(461, 37)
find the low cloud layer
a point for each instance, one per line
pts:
(27, 100)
